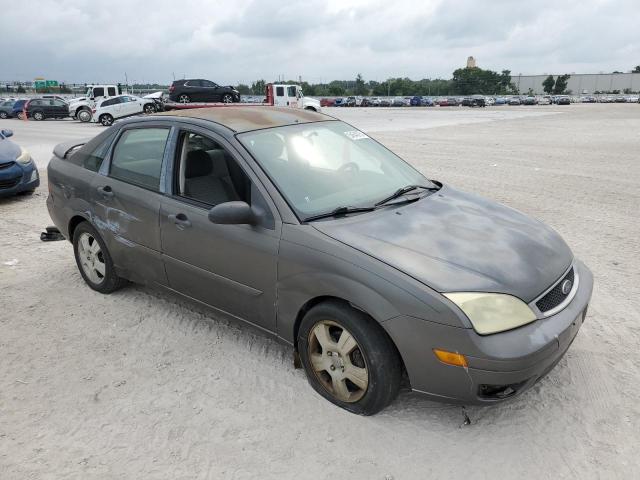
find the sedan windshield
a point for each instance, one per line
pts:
(324, 166)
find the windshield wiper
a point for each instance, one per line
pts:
(337, 212)
(402, 191)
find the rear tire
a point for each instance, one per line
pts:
(39, 116)
(93, 260)
(184, 98)
(348, 358)
(106, 120)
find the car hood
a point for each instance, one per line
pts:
(454, 241)
(9, 151)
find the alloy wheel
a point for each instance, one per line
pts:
(184, 99)
(227, 99)
(91, 258)
(84, 116)
(337, 361)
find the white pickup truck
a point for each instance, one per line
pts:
(80, 108)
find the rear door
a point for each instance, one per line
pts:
(230, 267)
(128, 195)
(195, 91)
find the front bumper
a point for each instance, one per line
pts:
(16, 178)
(501, 365)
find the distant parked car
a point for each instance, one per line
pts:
(339, 102)
(500, 101)
(200, 90)
(364, 102)
(530, 100)
(374, 101)
(563, 100)
(6, 108)
(397, 102)
(18, 109)
(448, 102)
(514, 101)
(416, 101)
(588, 99)
(428, 102)
(43, 108)
(350, 102)
(385, 102)
(546, 100)
(18, 172)
(475, 101)
(110, 109)
(327, 102)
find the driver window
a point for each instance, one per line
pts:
(291, 91)
(208, 174)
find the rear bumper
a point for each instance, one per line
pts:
(500, 366)
(18, 178)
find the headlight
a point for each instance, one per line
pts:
(24, 158)
(492, 312)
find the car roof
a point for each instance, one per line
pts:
(246, 118)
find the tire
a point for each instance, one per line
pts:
(106, 119)
(4, 115)
(20, 115)
(184, 98)
(84, 115)
(39, 116)
(227, 98)
(91, 258)
(378, 369)
(149, 108)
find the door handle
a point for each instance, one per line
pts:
(106, 191)
(180, 220)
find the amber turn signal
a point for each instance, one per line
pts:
(450, 358)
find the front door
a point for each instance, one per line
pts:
(210, 91)
(229, 267)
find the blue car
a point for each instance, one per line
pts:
(18, 108)
(416, 101)
(18, 172)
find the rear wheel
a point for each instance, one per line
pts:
(184, 98)
(94, 261)
(106, 119)
(39, 116)
(348, 358)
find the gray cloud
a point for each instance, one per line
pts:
(243, 40)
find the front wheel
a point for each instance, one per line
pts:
(106, 120)
(84, 115)
(149, 108)
(348, 358)
(39, 116)
(94, 261)
(4, 115)
(227, 98)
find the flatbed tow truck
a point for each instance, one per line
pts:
(276, 95)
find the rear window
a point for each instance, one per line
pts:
(137, 157)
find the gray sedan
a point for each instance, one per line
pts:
(310, 230)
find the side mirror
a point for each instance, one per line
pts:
(233, 213)
(6, 133)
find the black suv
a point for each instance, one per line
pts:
(198, 90)
(41, 108)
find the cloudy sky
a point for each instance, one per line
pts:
(242, 40)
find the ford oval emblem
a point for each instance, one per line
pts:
(566, 287)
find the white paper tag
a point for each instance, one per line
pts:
(355, 135)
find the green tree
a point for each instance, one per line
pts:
(467, 81)
(243, 89)
(637, 69)
(20, 89)
(548, 84)
(561, 84)
(258, 87)
(359, 87)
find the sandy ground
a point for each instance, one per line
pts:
(138, 385)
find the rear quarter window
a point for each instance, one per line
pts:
(93, 153)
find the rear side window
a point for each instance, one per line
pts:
(137, 157)
(279, 91)
(92, 154)
(111, 101)
(111, 91)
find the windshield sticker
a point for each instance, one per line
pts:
(355, 135)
